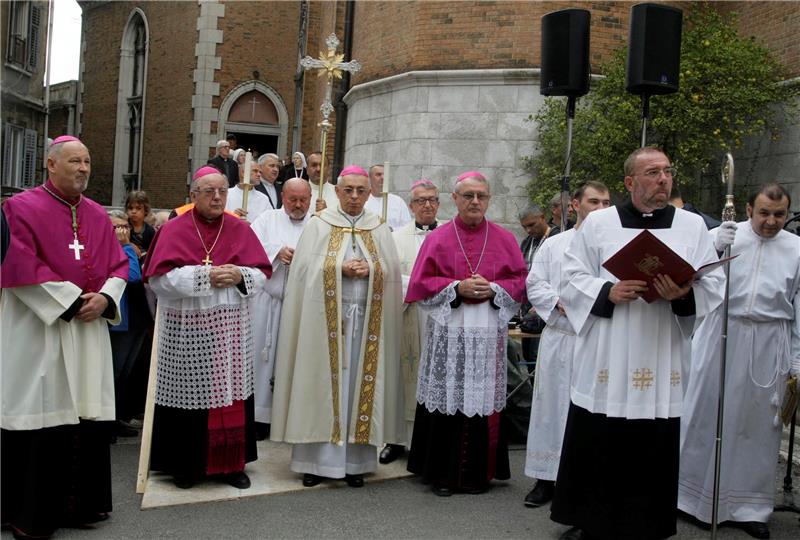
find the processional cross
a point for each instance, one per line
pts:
(331, 65)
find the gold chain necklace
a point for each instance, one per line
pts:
(207, 261)
(75, 246)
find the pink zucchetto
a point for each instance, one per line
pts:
(470, 174)
(422, 182)
(65, 138)
(205, 170)
(353, 169)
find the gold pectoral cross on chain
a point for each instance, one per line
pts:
(207, 261)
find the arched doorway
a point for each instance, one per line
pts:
(256, 114)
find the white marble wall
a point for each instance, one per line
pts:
(438, 124)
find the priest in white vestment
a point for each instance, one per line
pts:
(257, 202)
(62, 280)
(397, 214)
(337, 375)
(278, 231)
(408, 239)
(550, 402)
(204, 266)
(329, 197)
(763, 347)
(470, 279)
(618, 474)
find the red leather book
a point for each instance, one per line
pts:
(646, 256)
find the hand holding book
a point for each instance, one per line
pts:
(648, 260)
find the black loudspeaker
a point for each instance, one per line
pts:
(654, 49)
(565, 53)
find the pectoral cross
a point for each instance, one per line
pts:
(330, 65)
(207, 261)
(76, 247)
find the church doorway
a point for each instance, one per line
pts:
(256, 114)
(255, 142)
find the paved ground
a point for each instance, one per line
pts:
(401, 508)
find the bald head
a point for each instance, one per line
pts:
(296, 197)
(69, 167)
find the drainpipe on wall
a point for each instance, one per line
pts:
(49, 53)
(339, 105)
(298, 79)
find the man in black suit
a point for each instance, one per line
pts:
(222, 161)
(270, 166)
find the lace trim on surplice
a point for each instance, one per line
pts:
(205, 356)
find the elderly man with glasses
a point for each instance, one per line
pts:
(204, 266)
(469, 277)
(408, 239)
(223, 162)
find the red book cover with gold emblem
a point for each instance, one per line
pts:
(646, 256)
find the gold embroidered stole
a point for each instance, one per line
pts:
(372, 350)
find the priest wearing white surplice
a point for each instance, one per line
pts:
(278, 230)
(763, 348)
(424, 204)
(62, 282)
(257, 202)
(618, 474)
(554, 361)
(337, 376)
(397, 214)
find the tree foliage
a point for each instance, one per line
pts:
(729, 90)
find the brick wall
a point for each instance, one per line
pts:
(168, 97)
(394, 37)
(774, 25)
(259, 36)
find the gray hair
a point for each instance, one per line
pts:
(55, 149)
(222, 143)
(479, 179)
(532, 210)
(558, 198)
(424, 184)
(117, 214)
(264, 158)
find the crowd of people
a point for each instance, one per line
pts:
(357, 337)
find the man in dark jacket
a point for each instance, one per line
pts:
(225, 164)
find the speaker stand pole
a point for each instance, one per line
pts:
(565, 196)
(645, 116)
(788, 504)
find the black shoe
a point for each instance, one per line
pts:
(183, 482)
(311, 480)
(442, 491)
(262, 431)
(122, 429)
(391, 452)
(542, 493)
(756, 529)
(575, 534)
(354, 480)
(238, 480)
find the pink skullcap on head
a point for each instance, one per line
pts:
(205, 170)
(422, 182)
(470, 174)
(65, 138)
(353, 169)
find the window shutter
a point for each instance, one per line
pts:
(29, 160)
(33, 37)
(7, 154)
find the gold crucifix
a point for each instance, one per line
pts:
(331, 65)
(207, 261)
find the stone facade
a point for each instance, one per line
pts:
(438, 124)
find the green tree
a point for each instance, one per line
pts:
(729, 90)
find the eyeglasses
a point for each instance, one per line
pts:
(652, 174)
(483, 197)
(209, 192)
(358, 191)
(422, 201)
